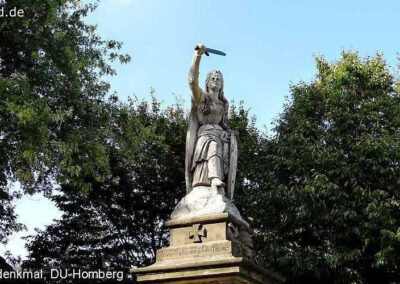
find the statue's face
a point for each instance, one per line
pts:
(215, 82)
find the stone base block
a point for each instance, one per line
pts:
(233, 270)
(215, 248)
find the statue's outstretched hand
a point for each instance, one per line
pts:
(201, 49)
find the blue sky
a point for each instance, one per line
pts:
(269, 45)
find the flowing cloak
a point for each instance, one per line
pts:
(191, 136)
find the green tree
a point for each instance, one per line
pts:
(119, 222)
(51, 100)
(326, 207)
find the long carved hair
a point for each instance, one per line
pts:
(205, 104)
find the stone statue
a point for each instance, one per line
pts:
(211, 148)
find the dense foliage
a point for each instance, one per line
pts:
(51, 97)
(118, 222)
(326, 203)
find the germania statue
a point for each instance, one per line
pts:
(211, 147)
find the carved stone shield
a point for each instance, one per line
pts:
(233, 156)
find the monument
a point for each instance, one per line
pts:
(210, 242)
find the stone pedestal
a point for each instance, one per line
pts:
(214, 248)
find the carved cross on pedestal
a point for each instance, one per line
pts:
(197, 232)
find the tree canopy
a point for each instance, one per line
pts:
(51, 96)
(326, 203)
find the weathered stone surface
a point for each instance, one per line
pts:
(206, 270)
(203, 200)
(210, 280)
(221, 253)
(242, 244)
(207, 250)
(216, 275)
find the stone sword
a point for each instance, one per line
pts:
(210, 50)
